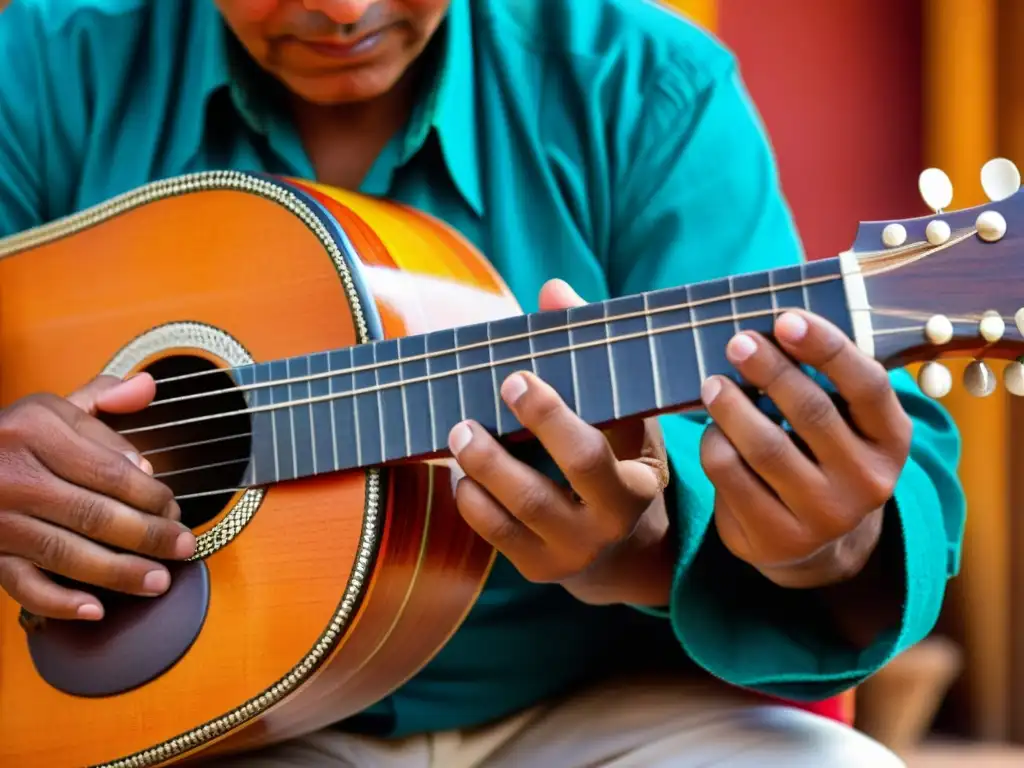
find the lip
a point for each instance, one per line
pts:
(357, 49)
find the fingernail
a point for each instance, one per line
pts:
(513, 388)
(156, 582)
(709, 390)
(89, 612)
(459, 438)
(139, 461)
(740, 347)
(185, 545)
(791, 327)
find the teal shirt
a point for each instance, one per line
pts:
(606, 142)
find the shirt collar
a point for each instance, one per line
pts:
(447, 109)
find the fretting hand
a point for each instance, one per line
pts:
(606, 540)
(803, 518)
(70, 490)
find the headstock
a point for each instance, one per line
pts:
(950, 284)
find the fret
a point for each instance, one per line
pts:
(395, 432)
(595, 399)
(632, 360)
(416, 397)
(344, 421)
(677, 353)
(281, 423)
(510, 350)
(555, 368)
(478, 392)
(368, 417)
(757, 305)
(258, 441)
(828, 297)
(301, 417)
(713, 314)
(321, 417)
(789, 292)
(447, 410)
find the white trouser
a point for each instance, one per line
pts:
(639, 724)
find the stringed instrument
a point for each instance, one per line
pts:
(302, 412)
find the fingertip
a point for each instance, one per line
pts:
(132, 394)
(89, 612)
(558, 294)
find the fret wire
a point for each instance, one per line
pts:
(701, 372)
(312, 424)
(334, 422)
(732, 307)
(476, 345)
(291, 420)
(405, 402)
(611, 365)
(273, 431)
(655, 369)
(430, 395)
(572, 367)
(467, 369)
(494, 378)
(380, 406)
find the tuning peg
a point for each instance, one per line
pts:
(935, 380)
(936, 189)
(979, 379)
(991, 226)
(1018, 320)
(938, 329)
(1013, 378)
(999, 178)
(992, 327)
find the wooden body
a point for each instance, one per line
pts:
(236, 260)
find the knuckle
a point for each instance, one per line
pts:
(770, 452)
(159, 537)
(90, 515)
(716, 453)
(871, 383)
(52, 550)
(591, 457)
(816, 410)
(532, 503)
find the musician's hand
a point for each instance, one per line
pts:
(804, 516)
(69, 485)
(609, 544)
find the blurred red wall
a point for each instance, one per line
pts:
(849, 148)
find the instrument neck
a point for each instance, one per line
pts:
(627, 357)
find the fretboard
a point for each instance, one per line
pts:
(397, 399)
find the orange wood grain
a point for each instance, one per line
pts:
(242, 263)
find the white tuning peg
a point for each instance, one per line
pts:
(936, 189)
(979, 379)
(935, 380)
(999, 178)
(1013, 378)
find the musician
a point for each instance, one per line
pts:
(648, 575)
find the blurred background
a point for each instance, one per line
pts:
(859, 96)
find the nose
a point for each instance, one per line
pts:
(340, 11)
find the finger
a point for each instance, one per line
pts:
(108, 521)
(113, 395)
(503, 531)
(805, 405)
(67, 554)
(531, 498)
(762, 444)
(580, 450)
(861, 381)
(86, 463)
(751, 521)
(36, 593)
(558, 294)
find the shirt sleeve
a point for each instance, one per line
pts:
(700, 198)
(21, 138)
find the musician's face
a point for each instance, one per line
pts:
(335, 51)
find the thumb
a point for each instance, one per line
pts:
(113, 395)
(558, 294)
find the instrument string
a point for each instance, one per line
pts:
(644, 313)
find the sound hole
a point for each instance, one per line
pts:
(203, 461)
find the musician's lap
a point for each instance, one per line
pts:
(644, 724)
